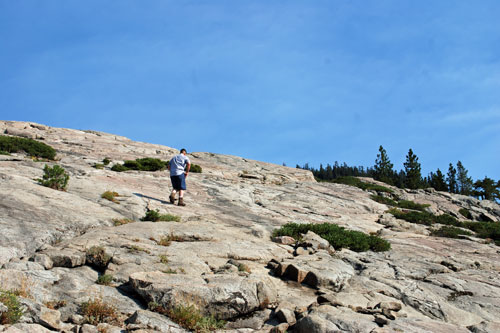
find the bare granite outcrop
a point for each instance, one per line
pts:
(220, 257)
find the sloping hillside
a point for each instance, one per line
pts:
(220, 258)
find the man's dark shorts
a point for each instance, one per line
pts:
(178, 182)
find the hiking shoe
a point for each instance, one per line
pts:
(172, 198)
(181, 202)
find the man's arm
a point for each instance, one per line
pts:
(188, 166)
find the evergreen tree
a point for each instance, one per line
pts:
(464, 182)
(487, 189)
(452, 179)
(412, 171)
(383, 167)
(437, 181)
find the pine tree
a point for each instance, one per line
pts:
(487, 189)
(412, 171)
(383, 167)
(464, 182)
(437, 181)
(452, 179)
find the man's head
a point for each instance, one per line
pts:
(183, 151)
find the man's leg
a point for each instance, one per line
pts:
(181, 198)
(172, 196)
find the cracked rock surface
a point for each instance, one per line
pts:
(220, 257)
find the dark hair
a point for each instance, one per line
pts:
(183, 151)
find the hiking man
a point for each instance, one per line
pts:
(178, 176)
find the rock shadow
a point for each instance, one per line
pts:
(140, 195)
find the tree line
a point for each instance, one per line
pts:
(456, 179)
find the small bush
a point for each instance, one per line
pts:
(4, 152)
(378, 244)
(106, 161)
(447, 220)
(132, 165)
(489, 230)
(243, 268)
(163, 258)
(168, 239)
(55, 177)
(14, 310)
(119, 168)
(141, 164)
(151, 164)
(450, 232)
(195, 168)
(95, 311)
(190, 318)
(55, 305)
(137, 249)
(383, 200)
(353, 181)
(465, 213)
(31, 147)
(98, 166)
(337, 236)
(97, 257)
(117, 222)
(413, 217)
(412, 205)
(155, 216)
(105, 279)
(110, 195)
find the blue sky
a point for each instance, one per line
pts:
(277, 81)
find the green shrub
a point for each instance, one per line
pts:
(31, 147)
(119, 168)
(141, 164)
(449, 232)
(163, 258)
(337, 236)
(412, 216)
(155, 216)
(97, 257)
(55, 177)
(4, 152)
(353, 181)
(383, 200)
(98, 166)
(378, 244)
(425, 218)
(465, 213)
(195, 168)
(105, 279)
(447, 220)
(151, 164)
(14, 310)
(95, 311)
(110, 195)
(118, 222)
(106, 161)
(489, 230)
(412, 205)
(190, 318)
(132, 165)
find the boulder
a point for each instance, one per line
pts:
(142, 319)
(222, 296)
